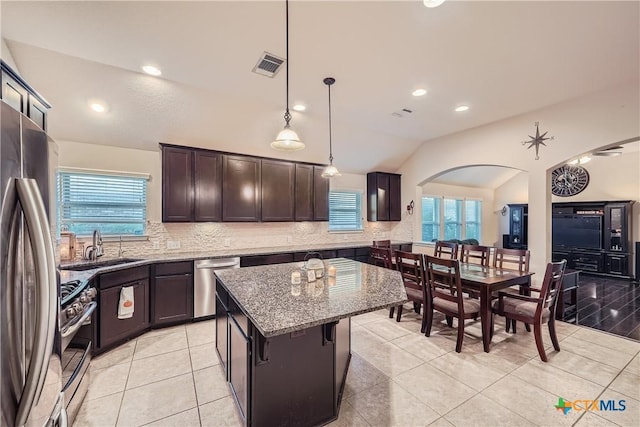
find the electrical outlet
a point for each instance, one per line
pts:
(289, 239)
(173, 244)
(344, 237)
(156, 245)
(227, 242)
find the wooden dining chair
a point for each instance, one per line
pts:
(381, 257)
(446, 296)
(448, 250)
(535, 310)
(476, 254)
(411, 267)
(513, 259)
(382, 243)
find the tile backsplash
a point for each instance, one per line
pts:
(195, 237)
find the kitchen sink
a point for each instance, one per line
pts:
(90, 265)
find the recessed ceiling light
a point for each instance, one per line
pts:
(419, 92)
(150, 69)
(98, 107)
(573, 162)
(299, 107)
(584, 160)
(432, 3)
(462, 108)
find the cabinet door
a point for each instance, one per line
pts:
(172, 299)
(13, 93)
(304, 193)
(617, 264)
(395, 198)
(278, 190)
(177, 185)
(207, 186)
(222, 334)
(113, 329)
(239, 356)
(241, 189)
(37, 112)
(616, 228)
(382, 185)
(320, 195)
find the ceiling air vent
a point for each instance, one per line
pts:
(268, 65)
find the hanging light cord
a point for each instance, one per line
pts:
(287, 115)
(330, 149)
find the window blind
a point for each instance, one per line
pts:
(345, 211)
(115, 205)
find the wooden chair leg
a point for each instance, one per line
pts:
(399, 313)
(527, 327)
(460, 335)
(391, 311)
(416, 307)
(513, 325)
(537, 331)
(449, 321)
(492, 325)
(552, 332)
(428, 313)
(507, 325)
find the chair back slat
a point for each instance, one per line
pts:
(380, 256)
(382, 243)
(411, 268)
(512, 259)
(551, 286)
(443, 278)
(475, 254)
(448, 250)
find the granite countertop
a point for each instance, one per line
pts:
(276, 307)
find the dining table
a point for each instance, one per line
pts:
(487, 281)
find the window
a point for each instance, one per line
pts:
(345, 211)
(452, 219)
(473, 219)
(448, 218)
(430, 219)
(113, 204)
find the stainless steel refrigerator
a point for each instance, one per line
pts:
(30, 370)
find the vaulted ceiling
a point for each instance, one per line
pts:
(500, 58)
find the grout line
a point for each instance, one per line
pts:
(168, 416)
(124, 392)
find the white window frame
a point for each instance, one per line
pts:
(360, 227)
(463, 214)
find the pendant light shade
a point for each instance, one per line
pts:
(287, 139)
(330, 171)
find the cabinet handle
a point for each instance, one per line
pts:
(263, 349)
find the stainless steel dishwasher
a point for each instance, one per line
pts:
(204, 289)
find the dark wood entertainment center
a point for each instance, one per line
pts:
(594, 237)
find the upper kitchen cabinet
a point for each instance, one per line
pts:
(304, 192)
(191, 185)
(278, 190)
(177, 184)
(241, 188)
(320, 195)
(383, 197)
(19, 95)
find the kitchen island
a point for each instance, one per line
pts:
(285, 348)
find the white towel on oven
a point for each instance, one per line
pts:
(126, 305)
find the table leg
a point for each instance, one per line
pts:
(485, 316)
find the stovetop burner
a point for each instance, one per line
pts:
(69, 290)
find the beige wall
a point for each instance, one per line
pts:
(489, 218)
(6, 56)
(579, 126)
(209, 236)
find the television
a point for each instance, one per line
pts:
(577, 231)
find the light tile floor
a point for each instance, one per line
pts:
(397, 377)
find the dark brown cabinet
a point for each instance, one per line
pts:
(384, 197)
(278, 190)
(111, 329)
(241, 189)
(320, 195)
(20, 96)
(207, 182)
(518, 226)
(617, 221)
(177, 184)
(239, 357)
(172, 293)
(304, 192)
(222, 330)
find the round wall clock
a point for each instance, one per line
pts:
(569, 180)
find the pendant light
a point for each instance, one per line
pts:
(287, 139)
(330, 171)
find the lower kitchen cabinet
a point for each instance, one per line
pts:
(172, 293)
(239, 357)
(222, 329)
(112, 329)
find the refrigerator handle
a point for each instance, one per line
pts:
(46, 299)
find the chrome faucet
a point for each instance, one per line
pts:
(95, 250)
(120, 250)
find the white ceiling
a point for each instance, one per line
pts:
(477, 176)
(501, 58)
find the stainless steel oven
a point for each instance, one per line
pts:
(77, 312)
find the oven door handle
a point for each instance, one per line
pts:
(71, 329)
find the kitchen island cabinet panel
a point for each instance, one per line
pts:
(278, 190)
(241, 189)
